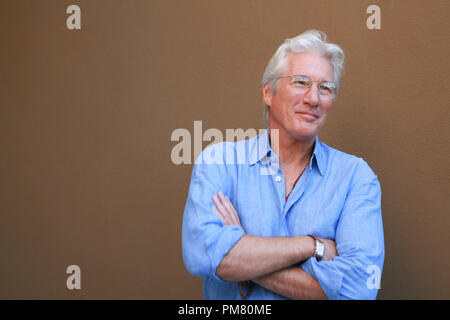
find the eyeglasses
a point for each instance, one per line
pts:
(326, 88)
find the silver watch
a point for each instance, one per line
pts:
(320, 250)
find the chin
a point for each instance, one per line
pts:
(303, 135)
(302, 132)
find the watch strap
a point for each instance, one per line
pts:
(317, 240)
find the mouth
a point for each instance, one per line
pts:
(307, 115)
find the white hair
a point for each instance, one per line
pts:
(308, 41)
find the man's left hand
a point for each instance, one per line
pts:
(225, 210)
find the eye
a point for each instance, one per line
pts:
(301, 81)
(326, 88)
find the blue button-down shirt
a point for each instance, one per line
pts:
(337, 197)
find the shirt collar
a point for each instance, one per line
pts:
(319, 156)
(260, 149)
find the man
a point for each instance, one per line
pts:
(298, 219)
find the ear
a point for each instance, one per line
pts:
(267, 94)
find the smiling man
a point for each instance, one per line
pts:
(298, 219)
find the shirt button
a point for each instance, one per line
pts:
(278, 179)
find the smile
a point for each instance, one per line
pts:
(308, 116)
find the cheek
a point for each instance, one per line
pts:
(325, 108)
(296, 98)
(282, 105)
(323, 116)
(288, 98)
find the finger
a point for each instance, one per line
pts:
(218, 213)
(223, 200)
(224, 220)
(218, 204)
(214, 209)
(222, 210)
(223, 206)
(231, 205)
(228, 212)
(233, 211)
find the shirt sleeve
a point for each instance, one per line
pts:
(356, 272)
(205, 239)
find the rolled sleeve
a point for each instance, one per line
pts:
(205, 239)
(327, 274)
(359, 242)
(219, 245)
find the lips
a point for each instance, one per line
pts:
(307, 114)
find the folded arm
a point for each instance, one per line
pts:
(253, 257)
(293, 283)
(268, 261)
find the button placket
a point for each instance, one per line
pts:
(297, 192)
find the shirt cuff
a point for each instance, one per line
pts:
(328, 276)
(219, 245)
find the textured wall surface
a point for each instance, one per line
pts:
(86, 116)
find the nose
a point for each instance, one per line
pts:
(311, 96)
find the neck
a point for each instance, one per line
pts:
(290, 151)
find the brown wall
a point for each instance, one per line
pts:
(86, 116)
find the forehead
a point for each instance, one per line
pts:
(313, 65)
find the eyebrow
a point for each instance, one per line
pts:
(294, 75)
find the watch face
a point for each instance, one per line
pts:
(320, 250)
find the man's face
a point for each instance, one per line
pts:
(300, 113)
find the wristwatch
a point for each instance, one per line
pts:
(319, 248)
